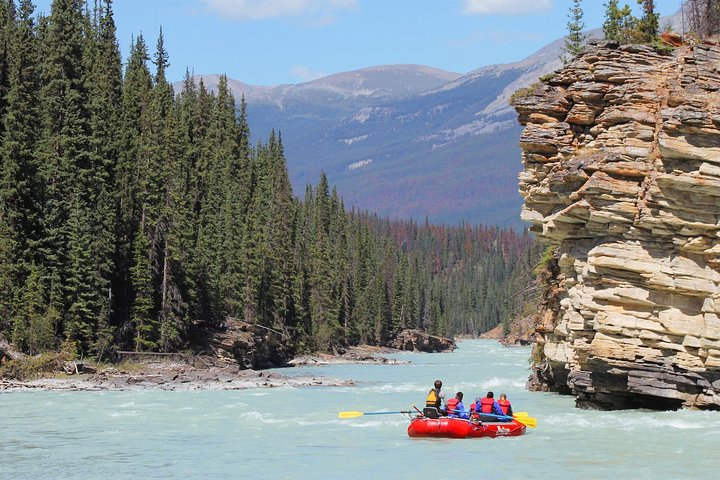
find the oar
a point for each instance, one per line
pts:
(360, 414)
(499, 417)
(527, 421)
(521, 417)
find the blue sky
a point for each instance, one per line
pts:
(269, 42)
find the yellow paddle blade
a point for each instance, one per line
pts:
(521, 414)
(527, 421)
(350, 414)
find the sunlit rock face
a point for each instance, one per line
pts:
(621, 153)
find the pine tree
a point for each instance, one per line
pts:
(8, 286)
(20, 186)
(105, 93)
(399, 308)
(620, 25)
(67, 167)
(149, 271)
(575, 39)
(613, 24)
(222, 200)
(278, 267)
(177, 284)
(324, 308)
(649, 23)
(137, 87)
(35, 325)
(7, 17)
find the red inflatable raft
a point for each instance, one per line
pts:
(458, 428)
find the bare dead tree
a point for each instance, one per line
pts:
(702, 17)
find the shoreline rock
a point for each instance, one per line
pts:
(419, 341)
(200, 372)
(365, 355)
(169, 377)
(222, 370)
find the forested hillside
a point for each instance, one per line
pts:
(134, 218)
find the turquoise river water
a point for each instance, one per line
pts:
(287, 433)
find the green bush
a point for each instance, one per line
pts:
(662, 48)
(36, 366)
(533, 89)
(537, 355)
(547, 257)
(547, 77)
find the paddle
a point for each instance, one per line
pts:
(501, 417)
(527, 421)
(521, 417)
(360, 414)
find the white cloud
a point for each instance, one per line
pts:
(506, 7)
(262, 9)
(305, 74)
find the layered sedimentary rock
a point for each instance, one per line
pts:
(250, 346)
(621, 153)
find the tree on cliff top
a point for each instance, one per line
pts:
(575, 39)
(619, 22)
(649, 23)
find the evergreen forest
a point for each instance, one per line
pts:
(132, 217)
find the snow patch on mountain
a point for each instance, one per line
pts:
(360, 164)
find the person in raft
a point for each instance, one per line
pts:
(455, 407)
(489, 405)
(505, 405)
(435, 398)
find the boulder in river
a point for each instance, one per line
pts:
(417, 340)
(251, 346)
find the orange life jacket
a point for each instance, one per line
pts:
(504, 405)
(452, 405)
(486, 404)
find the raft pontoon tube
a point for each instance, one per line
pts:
(446, 427)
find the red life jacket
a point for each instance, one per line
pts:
(504, 405)
(451, 405)
(486, 404)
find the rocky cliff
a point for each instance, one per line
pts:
(621, 152)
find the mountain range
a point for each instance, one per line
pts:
(406, 141)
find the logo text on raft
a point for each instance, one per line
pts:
(503, 431)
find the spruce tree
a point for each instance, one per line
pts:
(105, 93)
(613, 24)
(8, 286)
(7, 21)
(149, 273)
(67, 168)
(177, 282)
(278, 266)
(20, 186)
(620, 25)
(575, 38)
(136, 97)
(649, 23)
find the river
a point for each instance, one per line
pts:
(286, 433)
